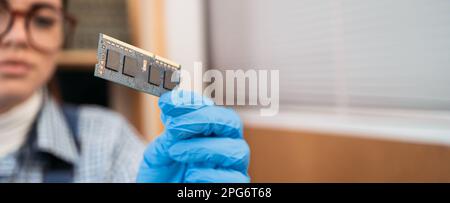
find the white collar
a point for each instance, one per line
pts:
(16, 123)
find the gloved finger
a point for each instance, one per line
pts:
(169, 173)
(209, 175)
(179, 102)
(158, 166)
(208, 121)
(221, 152)
(156, 153)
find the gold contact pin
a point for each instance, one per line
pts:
(115, 42)
(144, 65)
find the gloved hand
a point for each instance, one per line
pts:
(201, 143)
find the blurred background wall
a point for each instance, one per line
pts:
(364, 85)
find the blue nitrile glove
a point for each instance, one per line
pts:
(201, 143)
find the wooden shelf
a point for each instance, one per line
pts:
(78, 59)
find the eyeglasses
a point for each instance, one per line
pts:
(48, 28)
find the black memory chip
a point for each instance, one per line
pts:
(130, 66)
(134, 67)
(113, 60)
(154, 77)
(168, 83)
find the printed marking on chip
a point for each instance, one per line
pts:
(134, 67)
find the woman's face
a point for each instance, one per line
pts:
(23, 67)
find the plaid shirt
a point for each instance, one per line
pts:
(110, 150)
